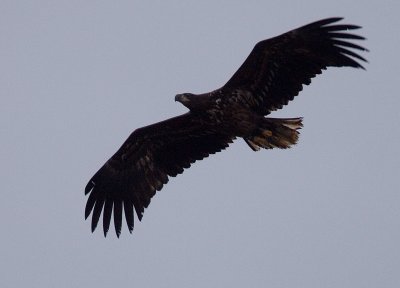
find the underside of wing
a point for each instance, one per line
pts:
(276, 69)
(143, 164)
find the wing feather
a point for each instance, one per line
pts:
(143, 164)
(90, 203)
(96, 212)
(128, 208)
(108, 206)
(277, 68)
(117, 215)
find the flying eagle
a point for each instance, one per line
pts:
(271, 76)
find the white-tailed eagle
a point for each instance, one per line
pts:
(271, 76)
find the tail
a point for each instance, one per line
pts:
(275, 133)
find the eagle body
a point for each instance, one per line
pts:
(271, 76)
(235, 117)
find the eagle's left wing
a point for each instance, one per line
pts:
(131, 177)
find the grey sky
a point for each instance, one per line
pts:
(77, 77)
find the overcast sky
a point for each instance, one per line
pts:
(77, 77)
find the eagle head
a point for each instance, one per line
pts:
(185, 99)
(195, 102)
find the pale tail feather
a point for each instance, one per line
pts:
(275, 133)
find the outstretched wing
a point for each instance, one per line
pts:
(276, 69)
(142, 165)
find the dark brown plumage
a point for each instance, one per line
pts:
(271, 76)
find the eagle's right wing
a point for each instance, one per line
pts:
(142, 165)
(276, 69)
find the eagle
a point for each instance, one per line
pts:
(271, 76)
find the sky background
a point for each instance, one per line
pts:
(77, 77)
